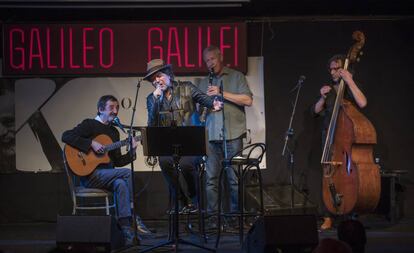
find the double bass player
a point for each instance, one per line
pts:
(324, 105)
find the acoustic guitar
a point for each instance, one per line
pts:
(83, 164)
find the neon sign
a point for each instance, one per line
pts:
(117, 49)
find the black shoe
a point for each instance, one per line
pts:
(141, 228)
(233, 222)
(212, 223)
(233, 225)
(129, 238)
(181, 206)
(171, 211)
(189, 209)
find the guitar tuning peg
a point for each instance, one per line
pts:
(361, 53)
(358, 59)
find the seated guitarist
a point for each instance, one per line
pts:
(105, 176)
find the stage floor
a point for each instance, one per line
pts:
(383, 237)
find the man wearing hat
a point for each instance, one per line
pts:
(173, 103)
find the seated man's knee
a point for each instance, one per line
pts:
(120, 184)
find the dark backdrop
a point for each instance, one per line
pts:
(290, 48)
(385, 71)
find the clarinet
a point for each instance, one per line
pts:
(205, 109)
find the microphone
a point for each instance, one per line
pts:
(210, 83)
(117, 122)
(210, 76)
(302, 78)
(157, 85)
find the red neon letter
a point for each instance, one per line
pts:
(172, 32)
(222, 45)
(49, 65)
(111, 47)
(16, 49)
(34, 35)
(86, 47)
(200, 48)
(62, 48)
(151, 47)
(236, 46)
(208, 36)
(71, 65)
(187, 64)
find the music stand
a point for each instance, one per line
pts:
(175, 142)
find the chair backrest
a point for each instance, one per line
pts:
(71, 177)
(255, 150)
(78, 191)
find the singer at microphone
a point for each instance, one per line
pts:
(177, 109)
(158, 92)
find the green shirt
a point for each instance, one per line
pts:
(235, 116)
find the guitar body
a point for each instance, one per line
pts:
(83, 164)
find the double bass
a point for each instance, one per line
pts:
(351, 180)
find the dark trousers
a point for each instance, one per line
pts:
(187, 185)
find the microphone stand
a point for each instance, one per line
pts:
(289, 135)
(225, 163)
(173, 121)
(131, 152)
(223, 129)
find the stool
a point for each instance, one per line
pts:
(198, 173)
(244, 163)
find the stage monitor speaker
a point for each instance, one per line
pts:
(88, 233)
(277, 200)
(391, 199)
(289, 233)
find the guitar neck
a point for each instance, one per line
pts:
(119, 144)
(332, 123)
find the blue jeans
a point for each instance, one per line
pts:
(117, 181)
(215, 156)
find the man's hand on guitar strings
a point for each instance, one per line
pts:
(97, 147)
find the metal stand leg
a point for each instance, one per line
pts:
(201, 209)
(176, 240)
(241, 202)
(198, 175)
(248, 162)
